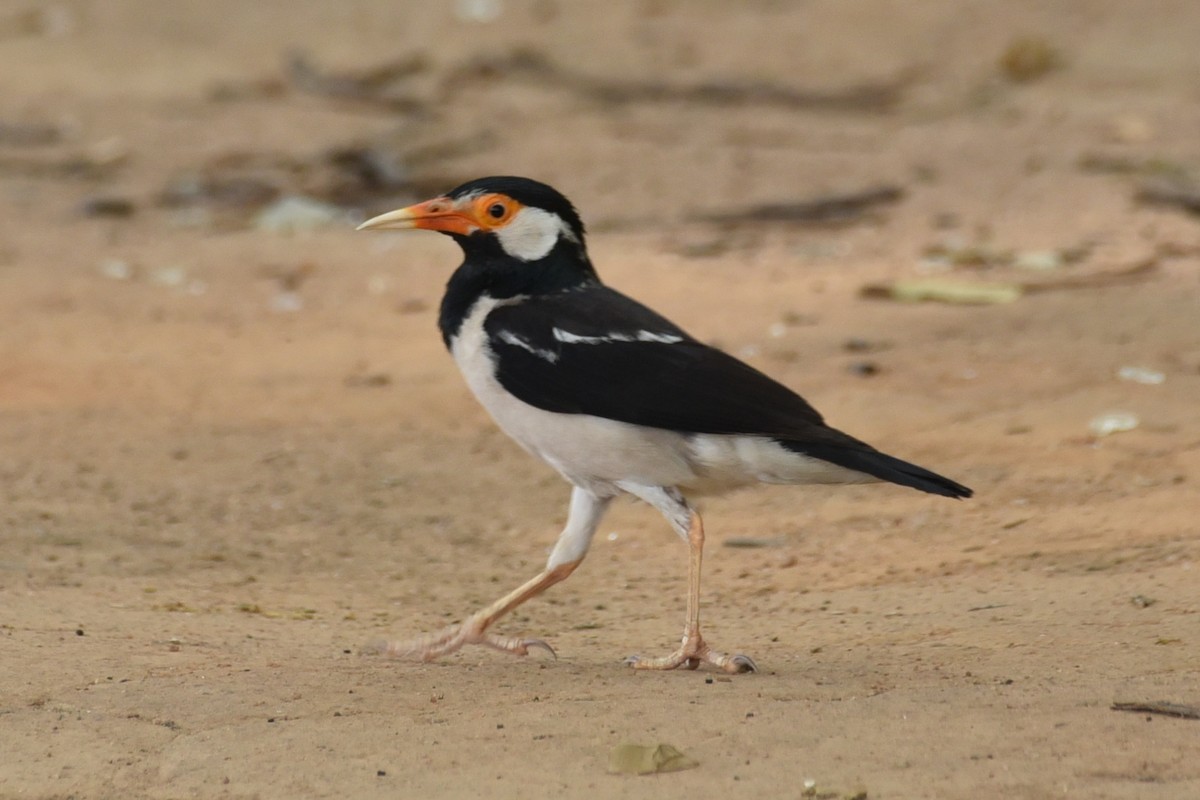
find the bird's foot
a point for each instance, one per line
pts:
(691, 654)
(473, 631)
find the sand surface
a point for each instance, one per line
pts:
(230, 457)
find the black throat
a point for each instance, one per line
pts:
(488, 270)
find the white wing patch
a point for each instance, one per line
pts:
(508, 337)
(566, 337)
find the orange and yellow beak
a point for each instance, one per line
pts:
(439, 214)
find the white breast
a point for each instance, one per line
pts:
(589, 451)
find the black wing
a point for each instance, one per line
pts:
(595, 351)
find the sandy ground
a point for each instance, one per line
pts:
(210, 502)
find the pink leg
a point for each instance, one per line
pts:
(474, 629)
(694, 650)
(584, 516)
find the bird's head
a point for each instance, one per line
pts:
(521, 218)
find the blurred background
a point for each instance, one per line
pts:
(640, 107)
(230, 437)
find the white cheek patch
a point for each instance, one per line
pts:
(531, 234)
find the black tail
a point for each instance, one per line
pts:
(880, 465)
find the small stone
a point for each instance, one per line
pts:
(946, 220)
(286, 302)
(1142, 375)
(1039, 260)
(1113, 422)
(703, 248)
(116, 269)
(857, 345)
(478, 10)
(169, 276)
(108, 206)
(52, 20)
(368, 380)
(413, 305)
(1130, 129)
(106, 153)
(1029, 58)
(296, 213)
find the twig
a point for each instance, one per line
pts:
(370, 86)
(1136, 272)
(976, 293)
(531, 65)
(26, 134)
(825, 209)
(1181, 194)
(1160, 707)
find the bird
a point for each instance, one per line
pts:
(612, 395)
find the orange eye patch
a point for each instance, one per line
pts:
(495, 210)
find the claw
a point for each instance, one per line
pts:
(538, 643)
(741, 663)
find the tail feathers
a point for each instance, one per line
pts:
(882, 466)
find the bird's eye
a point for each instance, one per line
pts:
(497, 210)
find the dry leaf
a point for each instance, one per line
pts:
(915, 291)
(642, 759)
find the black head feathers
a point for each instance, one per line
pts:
(527, 192)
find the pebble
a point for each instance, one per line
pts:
(1148, 377)
(169, 276)
(116, 269)
(1039, 260)
(296, 213)
(1113, 422)
(108, 206)
(478, 10)
(286, 302)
